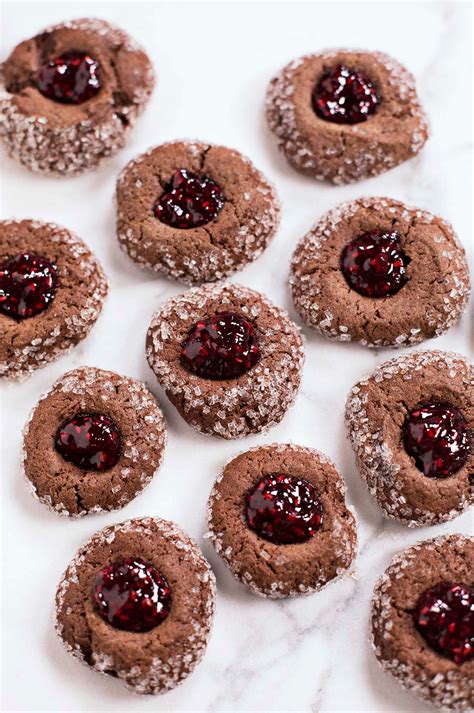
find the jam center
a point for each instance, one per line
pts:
(189, 201)
(444, 616)
(89, 441)
(283, 509)
(28, 285)
(222, 347)
(72, 78)
(374, 264)
(345, 96)
(132, 595)
(437, 437)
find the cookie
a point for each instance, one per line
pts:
(229, 360)
(193, 211)
(71, 95)
(278, 519)
(93, 442)
(343, 115)
(381, 273)
(137, 603)
(423, 621)
(51, 293)
(410, 425)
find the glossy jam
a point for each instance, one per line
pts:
(71, 78)
(224, 346)
(283, 509)
(189, 201)
(89, 441)
(28, 284)
(132, 595)
(374, 264)
(345, 96)
(437, 437)
(444, 616)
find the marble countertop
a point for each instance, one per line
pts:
(213, 63)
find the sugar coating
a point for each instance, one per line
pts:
(450, 691)
(218, 259)
(72, 328)
(84, 145)
(375, 460)
(266, 391)
(373, 157)
(309, 303)
(161, 675)
(344, 550)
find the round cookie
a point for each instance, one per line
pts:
(421, 630)
(410, 425)
(71, 94)
(343, 115)
(194, 211)
(228, 359)
(278, 519)
(93, 442)
(177, 598)
(51, 293)
(380, 273)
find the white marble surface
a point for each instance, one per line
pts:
(213, 63)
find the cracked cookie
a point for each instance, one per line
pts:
(410, 425)
(423, 621)
(278, 519)
(51, 293)
(229, 360)
(72, 93)
(93, 442)
(343, 116)
(381, 273)
(194, 212)
(137, 603)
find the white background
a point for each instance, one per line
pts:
(213, 63)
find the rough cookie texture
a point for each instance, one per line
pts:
(343, 153)
(238, 235)
(82, 287)
(149, 662)
(45, 135)
(375, 412)
(236, 407)
(269, 569)
(399, 647)
(69, 490)
(432, 300)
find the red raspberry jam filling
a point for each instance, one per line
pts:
(89, 441)
(189, 201)
(72, 78)
(444, 616)
(28, 285)
(222, 347)
(437, 437)
(345, 96)
(283, 509)
(132, 595)
(374, 264)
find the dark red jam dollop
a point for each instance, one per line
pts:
(222, 347)
(89, 441)
(283, 509)
(437, 437)
(28, 285)
(374, 264)
(345, 96)
(444, 616)
(189, 201)
(132, 595)
(72, 78)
